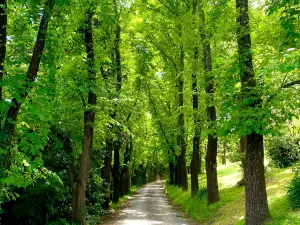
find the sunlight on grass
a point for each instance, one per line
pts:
(231, 208)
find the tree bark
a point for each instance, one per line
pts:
(178, 174)
(257, 211)
(105, 172)
(196, 139)
(212, 142)
(118, 73)
(3, 34)
(79, 185)
(127, 175)
(116, 169)
(124, 183)
(116, 173)
(171, 169)
(181, 137)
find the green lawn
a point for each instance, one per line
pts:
(231, 208)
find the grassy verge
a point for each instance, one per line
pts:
(231, 208)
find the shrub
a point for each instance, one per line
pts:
(293, 192)
(284, 151)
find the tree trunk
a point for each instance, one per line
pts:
(195, 166)
(105, 172)
(80, 183)
(178, 174)
(196, 139)
(12, 114)
(171, 169)
(257, 211)
(3, 34)
(3, 28)
(200, 161)
(211, 170)
(181, 137)
(125, 177)
(212, 143)
(124, 171)
(116, 173)
(128, 158)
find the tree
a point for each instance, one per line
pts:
(80, 182)
(257, 211)
(195, 162)
(212, 140)
(30, 77)
(3, 28)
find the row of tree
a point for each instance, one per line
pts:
(145, 79)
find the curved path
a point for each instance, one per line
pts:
(148, 206)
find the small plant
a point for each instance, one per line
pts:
(202, 193)
(293, 192)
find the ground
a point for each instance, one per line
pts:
(231, 208)
(149, 205)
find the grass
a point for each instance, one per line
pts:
(231, 208)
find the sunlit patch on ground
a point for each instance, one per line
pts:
(231, 208)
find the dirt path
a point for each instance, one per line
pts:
(148, 206)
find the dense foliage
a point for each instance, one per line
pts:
(100, 96)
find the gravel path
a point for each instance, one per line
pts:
(148, 206)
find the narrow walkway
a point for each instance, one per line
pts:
(148, 206)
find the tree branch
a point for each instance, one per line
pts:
(290, 84)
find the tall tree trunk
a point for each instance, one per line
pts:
(12, 114)
(3, 28)
(124, 184)
(196, 139)
(3, 34)
(118, 71)
(127, 158)
(122, 181)
(109, 143)
(257, 211)
(105, 172)
(116, 173)
(80, 183)
(178, 174)
(171, 168)
(200, 161)
(127, 175)
(181, 137)
(212, 142)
